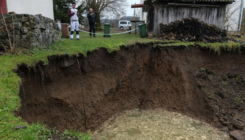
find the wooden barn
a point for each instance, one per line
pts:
(166, 11)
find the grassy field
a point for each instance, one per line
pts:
(10, 81)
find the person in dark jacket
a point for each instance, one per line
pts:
(92, 21)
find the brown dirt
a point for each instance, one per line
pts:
(159, 77)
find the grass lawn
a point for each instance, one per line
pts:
(10, 81)
(215, 47)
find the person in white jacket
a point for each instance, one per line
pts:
(73, 13)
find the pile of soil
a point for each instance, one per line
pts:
(189, 80)
(191, 29)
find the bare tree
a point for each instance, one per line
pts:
(114, 8)
(5, 31)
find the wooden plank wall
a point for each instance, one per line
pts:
(165, 14)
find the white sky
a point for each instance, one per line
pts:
(129, 10)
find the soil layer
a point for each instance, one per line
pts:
(190, 80)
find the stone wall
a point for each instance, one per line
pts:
(29, 30)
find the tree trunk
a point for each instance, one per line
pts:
(98, 25)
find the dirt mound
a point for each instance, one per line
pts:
(191, 29)
(187, 80)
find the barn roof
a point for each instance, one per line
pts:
(195, 1)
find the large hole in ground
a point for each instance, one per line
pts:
(144, 76)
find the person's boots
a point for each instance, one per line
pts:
(77, 35)
(71, 35)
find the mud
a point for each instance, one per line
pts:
(191, 81)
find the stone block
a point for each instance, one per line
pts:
(16, 32)
(47, 25)
(37, 19)
(24, 30)
(42, 26)
(51, 25)
(30, 17)
(19, 16)
(36, 26)
(6, 16)
(24, 36)
(26, 24)
(17, 25)
(24, 19)
(47, 20)
(33, 25)
(237, 135)
(56, 27)
(37, 31)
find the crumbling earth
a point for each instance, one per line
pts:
(189, 80)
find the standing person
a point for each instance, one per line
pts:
(74, 21)
(92, 21)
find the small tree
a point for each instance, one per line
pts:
(5, 32)
(106, 7)
(61, 8)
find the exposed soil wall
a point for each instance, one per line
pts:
(149, 77)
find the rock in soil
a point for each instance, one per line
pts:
(239, 124)
(19, 127)
(237, 135)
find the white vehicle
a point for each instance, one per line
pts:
(124, 24)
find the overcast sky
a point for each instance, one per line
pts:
(129, 10)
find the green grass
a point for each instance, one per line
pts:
(212, 95)
(216, 47)
(203, 69)
(205, 89)
(225, 84)
(238, 79)
(10, 81)
(237, 100)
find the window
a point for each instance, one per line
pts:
(122, 22)
(129, 23)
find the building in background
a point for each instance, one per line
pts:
(225, 14)
(143, 15)
(167, 11)
(233, 16)
(33, 7)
